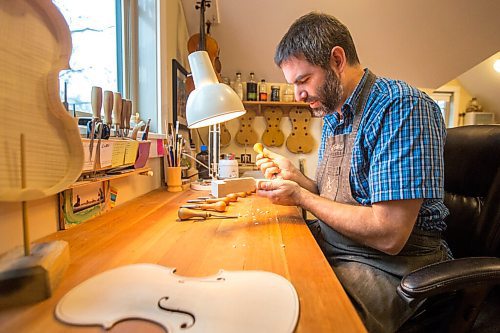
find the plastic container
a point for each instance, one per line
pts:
(202, 156)
(228, 169)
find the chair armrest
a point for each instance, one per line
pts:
(449, 276)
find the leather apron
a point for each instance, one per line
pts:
(369, 276)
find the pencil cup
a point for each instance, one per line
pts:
(174, 181)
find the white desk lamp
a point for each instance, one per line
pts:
(210, 103)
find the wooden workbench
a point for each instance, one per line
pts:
(145, 230)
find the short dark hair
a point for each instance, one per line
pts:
(313, 36)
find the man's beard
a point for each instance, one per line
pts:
(329, 95)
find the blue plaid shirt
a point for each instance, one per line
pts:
(398, 150)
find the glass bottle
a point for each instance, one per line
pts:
(251, 88)
(202, 156)
(263, 90)
(288, 95)
(238, 85)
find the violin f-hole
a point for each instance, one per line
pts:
(183, 325)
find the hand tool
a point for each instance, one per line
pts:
(117, 112)
(108, 108)
(219, 206)
(146, 131)
(226, 200)
(96, 102)
(233, 197)
(122, 118)
(136, 129)
(126, 114)
(100, 126)
(259, 148)
(186, 213)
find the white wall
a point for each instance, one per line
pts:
(259, 126)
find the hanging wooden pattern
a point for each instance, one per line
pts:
(225, 136)
(273, 136)
(246, 136)
(300, 140)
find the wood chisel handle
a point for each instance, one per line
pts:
(96, 101)
(117, 109)
(226, 200)
(259, 148)
(219, 206)
(232, 197)
(209, 200)
(124, 113)
(108, 106)
(127, 114)
(186, 213)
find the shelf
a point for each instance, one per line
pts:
(260, 106)
(121, 173)
(269, 103)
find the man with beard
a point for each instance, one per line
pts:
(378, 192)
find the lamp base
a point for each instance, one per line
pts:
(222, 187)
(33, 278)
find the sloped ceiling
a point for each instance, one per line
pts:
(424, 42)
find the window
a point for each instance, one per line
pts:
(444, 100)
(96, 56)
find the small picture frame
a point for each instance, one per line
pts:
(179, 93)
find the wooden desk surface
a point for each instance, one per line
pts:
(265, 237)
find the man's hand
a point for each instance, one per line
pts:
(281, 192)
(276, 166)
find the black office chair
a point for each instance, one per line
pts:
(456, 291)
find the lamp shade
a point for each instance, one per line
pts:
(210, 102)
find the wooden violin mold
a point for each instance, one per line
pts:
(300, 140)
(273, 136)
(225, 135)
(246, 136)
(35, 45)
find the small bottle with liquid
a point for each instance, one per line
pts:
(238, 86)
(251, 88)
(288, 95)
(262, 90)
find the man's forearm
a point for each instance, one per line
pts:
(306, 182)
(384, 226)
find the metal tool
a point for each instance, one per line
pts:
(219, 206)
(225, 199)
(186, 214)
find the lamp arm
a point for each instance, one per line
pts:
(194, 159)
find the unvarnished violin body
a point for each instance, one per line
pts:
(35, 45)
(230, 301)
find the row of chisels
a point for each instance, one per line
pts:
(117, 115)
(199, 208)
